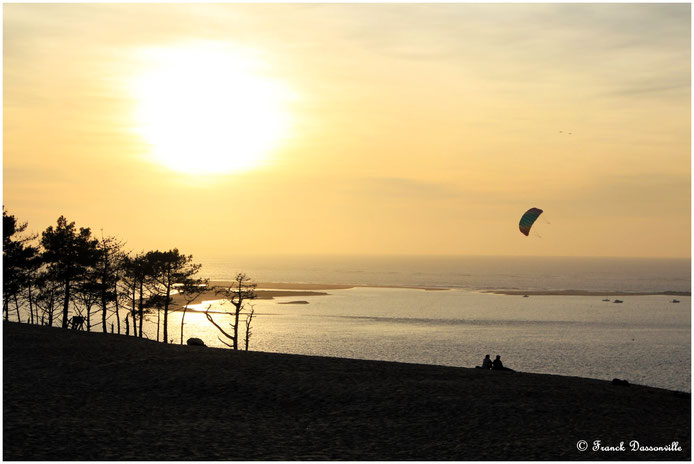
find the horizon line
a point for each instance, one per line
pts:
(436, 255)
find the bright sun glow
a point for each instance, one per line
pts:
(207, 108)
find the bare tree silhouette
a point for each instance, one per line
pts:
(189, 291)
(238, 293)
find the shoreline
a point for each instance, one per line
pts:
(113, 397)
(272, 290)
(304, 286)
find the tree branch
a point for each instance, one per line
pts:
(209, 318)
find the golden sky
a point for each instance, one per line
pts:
(353, 128)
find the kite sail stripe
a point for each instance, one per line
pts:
(528, 219)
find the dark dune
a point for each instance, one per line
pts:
(80, 396)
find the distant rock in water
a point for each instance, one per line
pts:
(195, 342)
(620, 382)
(293, 302)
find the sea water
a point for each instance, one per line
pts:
(467, 272)
(645, 339)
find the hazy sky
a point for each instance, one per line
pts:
(409, 129)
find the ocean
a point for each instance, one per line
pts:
(645, 340)
(463, 272)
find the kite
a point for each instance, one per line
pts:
(528, 219)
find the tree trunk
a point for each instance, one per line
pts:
(31, 306)
(103, 307)
(142, 315)
(16, 305)
(117, 313)
(104, 278)
(183, 318)
(133, 311)
(127, 326)
(166, 314)
(158, 317)
(249, 319)
(236, 326)
(248, 334)
(51, 308)
(66, 304)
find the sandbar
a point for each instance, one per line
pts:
(582, 293)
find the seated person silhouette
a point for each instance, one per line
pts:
(497, 365)
(486, 363)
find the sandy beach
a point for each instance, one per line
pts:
(305, 286)
(261, 294)
(90, 396)
(271, 290)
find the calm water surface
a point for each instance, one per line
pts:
(645, 340)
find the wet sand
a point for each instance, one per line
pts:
(271, 290)
(90, 396)
(300, 286)
(260, 295)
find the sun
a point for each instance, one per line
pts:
(209, 108)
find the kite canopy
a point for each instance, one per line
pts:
(528, 219)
